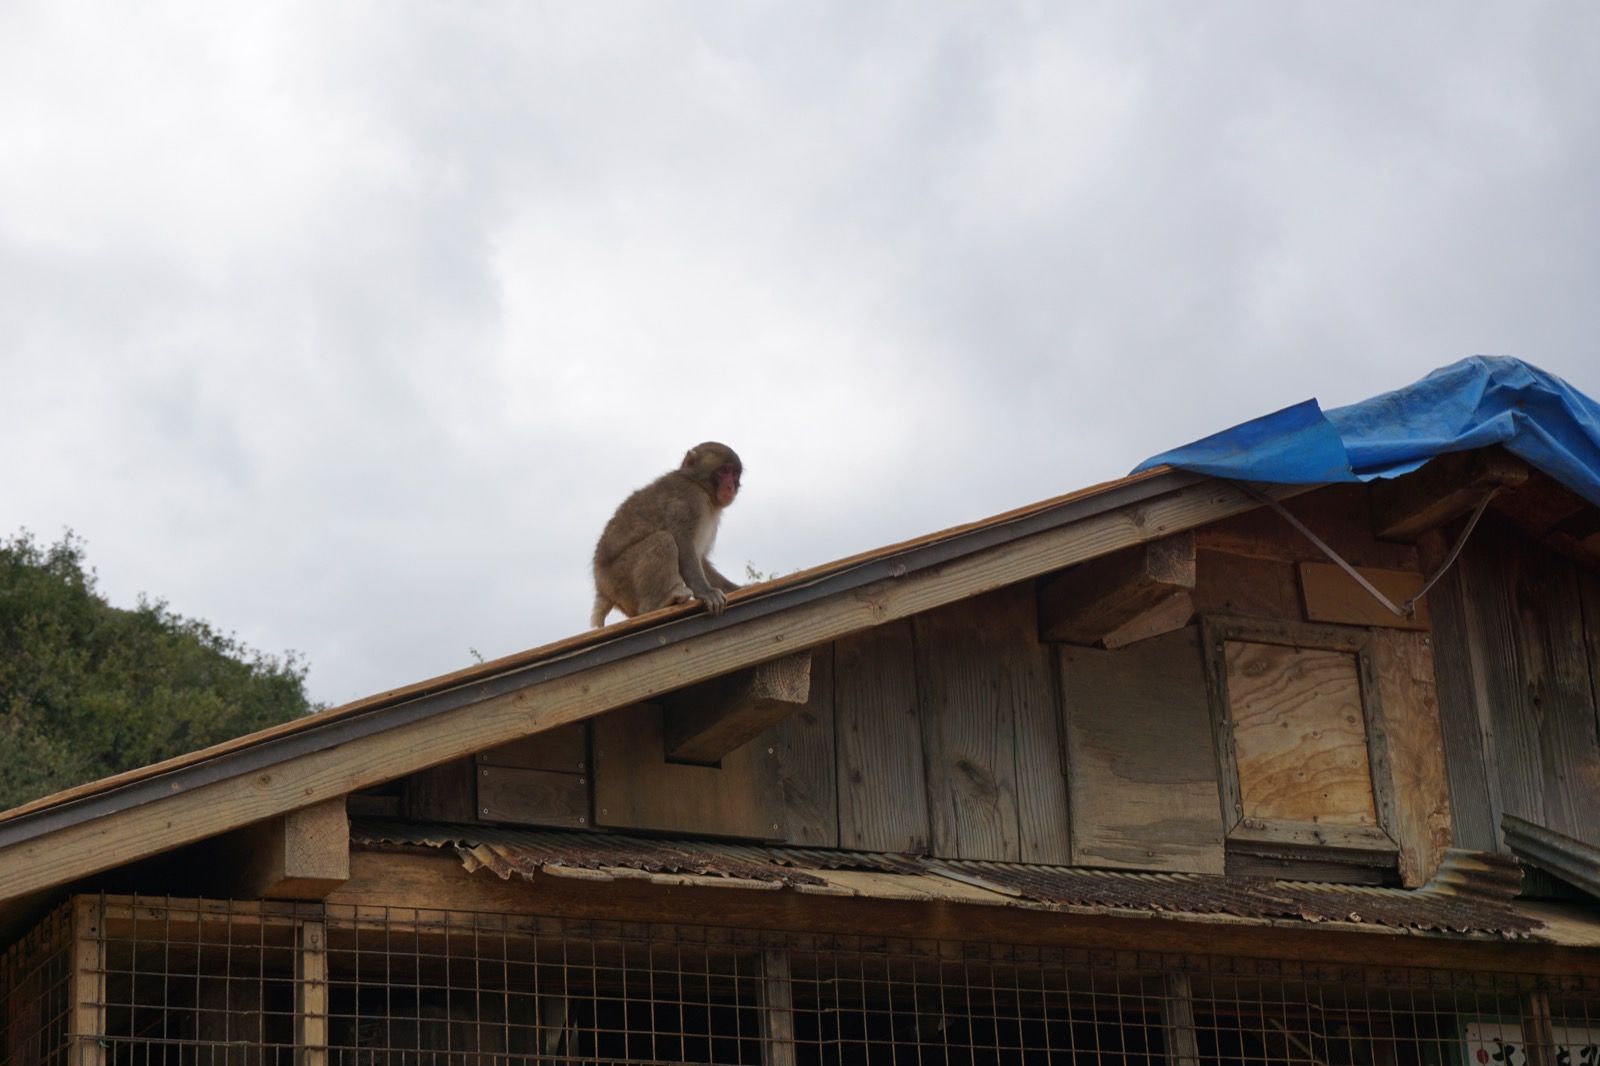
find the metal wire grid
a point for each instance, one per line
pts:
(249, 983)
(34, 994)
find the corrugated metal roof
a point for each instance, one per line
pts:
(1574, 861)
(1472, 902)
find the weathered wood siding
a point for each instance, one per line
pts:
(1515, 631)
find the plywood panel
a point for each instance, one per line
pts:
(883, 803)
(636, 788)
(1299, 734)
(1409, 707)
(1331, 595)
(990, 730)
(806, 760)
(1140, 760)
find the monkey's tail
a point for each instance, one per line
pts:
(602, 607)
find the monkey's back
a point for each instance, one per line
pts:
(671, 501)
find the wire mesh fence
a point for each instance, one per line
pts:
(202, 983)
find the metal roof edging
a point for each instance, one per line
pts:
(387, 716)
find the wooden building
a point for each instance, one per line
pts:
(1136, 774)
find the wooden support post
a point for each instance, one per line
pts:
(1538, 1034)
(87, 1029)
(311, 996)
(304, 854)
(777, 1008)
(1125, 596)
(1177, 1018)
(704, 723)
(1445, 488)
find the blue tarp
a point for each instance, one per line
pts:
(1471, 404)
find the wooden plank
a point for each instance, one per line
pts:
(1084, 604)
(563, 750)
(304, 854)
(777, 1009)
(969, 734)
(635, 787)
(311, 996)
(883, 796)
(1447, 487)
(196, 813)
(705, 722)
(1538, 1030)
(1339, 514)
(86, 993)
(1409, 710)
(1140, 761)
(1489, 566)
(1177, 1020)
(991, 731)
(443, 793)
(1299, 734)
(533, 797)
(1245, 587)
(1559, 697)
(1170, 615)
(1331, 595)
(807, 764)
(1464, 717)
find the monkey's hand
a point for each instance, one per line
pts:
(714, 599)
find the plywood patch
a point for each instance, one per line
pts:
(1299, 734)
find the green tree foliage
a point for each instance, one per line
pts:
(88, 690)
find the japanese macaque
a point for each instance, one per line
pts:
(653, 551)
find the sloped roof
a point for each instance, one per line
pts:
(111, 822)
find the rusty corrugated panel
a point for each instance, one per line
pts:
(1477, 875)
(1471, 898)
(1572, 860)
(1247, 897)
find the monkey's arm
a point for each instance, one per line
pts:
(693, 573)
(716, 578)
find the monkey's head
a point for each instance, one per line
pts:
(717, 466)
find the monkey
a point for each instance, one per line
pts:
(653, 551)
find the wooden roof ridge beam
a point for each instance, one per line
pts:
(1127, 596)
(707, 721)
(1447, 487)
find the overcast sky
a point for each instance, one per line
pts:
(345, 326)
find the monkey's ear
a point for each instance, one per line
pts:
(688, 459)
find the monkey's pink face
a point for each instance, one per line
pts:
(726, 480)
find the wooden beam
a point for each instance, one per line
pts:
(1538, 1032)
(304, 854)
(777, 1009)
(311, 996)
(1177, 1018)
(183, 817)
(1101, 598)
(706, 722)
(87, 985)
(1446, 488)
